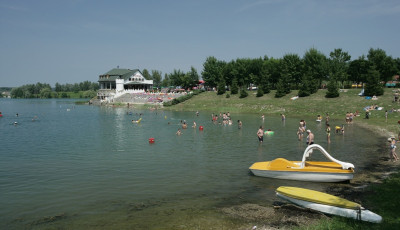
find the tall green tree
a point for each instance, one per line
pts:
(17, 92)
(147, 75)
(291, 69)
(338, 65)
(177, 77)
(193, 77)
(221, 87)
(315, 66)
(212, 71)
(166, 81)
(234, 87)
(265, 76)
(274, 71)
(58, 87)
(308, 84)
(358, 70)
(156, 78)
(385, 65)
(280, 88)
(333, 89)
(373, 86)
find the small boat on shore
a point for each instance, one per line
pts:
(316, 171)
(326, 203)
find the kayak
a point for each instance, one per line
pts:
(326, 203)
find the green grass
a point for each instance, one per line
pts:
(306, 107)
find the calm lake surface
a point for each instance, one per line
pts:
(89, 167)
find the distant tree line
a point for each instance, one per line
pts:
(307, 74)
(84, 89)
(176, 78)
(83, 86)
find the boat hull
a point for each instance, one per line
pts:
(304, 176)
(361, 214)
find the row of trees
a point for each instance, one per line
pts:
(176, 78)
(83, 86)
(307, 73)
(44, 90)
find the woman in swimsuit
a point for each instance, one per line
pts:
(328, 133)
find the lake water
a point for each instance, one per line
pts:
(89, 167)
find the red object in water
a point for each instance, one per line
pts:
(151, 140)
(201, 128)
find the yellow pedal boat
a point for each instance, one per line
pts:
(280, 168)
(326, 203)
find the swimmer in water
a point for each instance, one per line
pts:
(260, 134)
(240, 124)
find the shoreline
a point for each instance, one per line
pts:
(284, 215)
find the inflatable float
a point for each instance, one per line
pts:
(136, 122)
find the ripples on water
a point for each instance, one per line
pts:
(90, 167)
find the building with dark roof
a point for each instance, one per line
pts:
(118, 82)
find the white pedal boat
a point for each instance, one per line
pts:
(316, 171)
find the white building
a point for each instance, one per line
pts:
(118, 82)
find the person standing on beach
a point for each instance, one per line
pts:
(260, 134)
(386, 115)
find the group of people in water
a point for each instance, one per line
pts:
(310, 136)
(303, 129)
(225, 119)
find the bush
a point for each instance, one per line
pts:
(234, 87)
(260, 92)
(228, 95)
(373, 87)
(280, 89)
(243, 93)
(333, 90)
(182, 98)
(221, 87)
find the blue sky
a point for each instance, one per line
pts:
(72, 41)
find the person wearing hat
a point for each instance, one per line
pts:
(310, 137)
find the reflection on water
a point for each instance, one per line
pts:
(91, 167)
